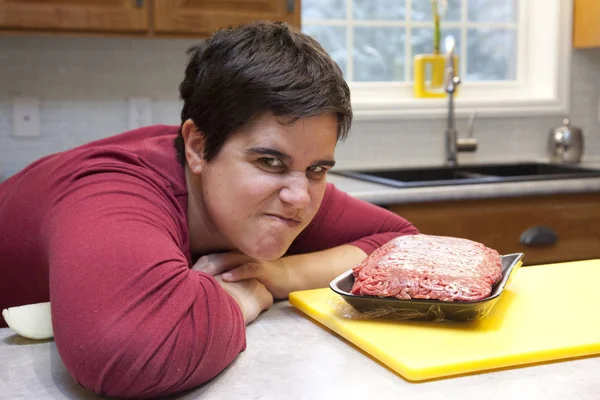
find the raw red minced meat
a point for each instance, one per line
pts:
(429, 267)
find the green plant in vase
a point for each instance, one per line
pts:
(429, 68)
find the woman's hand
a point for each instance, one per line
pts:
(236, 267)
(250, 295)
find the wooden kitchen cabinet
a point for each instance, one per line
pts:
(197, 18)
(206, 16)
(586, 23)
(499, 223)
(74, 15)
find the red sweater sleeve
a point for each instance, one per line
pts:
(130, 318)
(343, 219)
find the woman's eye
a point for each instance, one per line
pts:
(317, 171)
(272, 163)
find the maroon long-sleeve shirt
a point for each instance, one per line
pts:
(101, 232)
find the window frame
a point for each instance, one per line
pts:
(542, 86)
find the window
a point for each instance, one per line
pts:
(376, 40)
(514, 54)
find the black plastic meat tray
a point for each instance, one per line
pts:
(427, 309)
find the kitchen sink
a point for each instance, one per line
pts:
(531, 169)
(471, 174)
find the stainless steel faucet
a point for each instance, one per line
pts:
(452, 80)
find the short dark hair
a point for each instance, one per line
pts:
(241, 73)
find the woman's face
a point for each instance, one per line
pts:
(268, 181)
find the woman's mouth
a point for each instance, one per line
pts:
(288, 221)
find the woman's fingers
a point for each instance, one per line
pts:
(245, 271)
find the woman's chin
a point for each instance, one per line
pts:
(266, 253)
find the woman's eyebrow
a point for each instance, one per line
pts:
(267, 151)
(325, 162)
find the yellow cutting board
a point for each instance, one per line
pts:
(546, 312)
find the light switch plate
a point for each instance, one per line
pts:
(26, 117)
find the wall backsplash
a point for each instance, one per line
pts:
(83, 85)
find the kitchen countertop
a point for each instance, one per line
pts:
(384, 195)
(291, 357)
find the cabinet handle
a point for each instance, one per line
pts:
(291, 5)
(541, 236)
(139, 3)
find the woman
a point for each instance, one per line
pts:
(157, 246)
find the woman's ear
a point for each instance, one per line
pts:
(193, 141)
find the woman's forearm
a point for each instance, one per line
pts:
(318, 269)
(286, 274)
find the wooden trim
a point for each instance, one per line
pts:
(156, 18)
(586, 23)
(107, 15)
(72, 33)
(205, 17)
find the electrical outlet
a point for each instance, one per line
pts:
(26, 117)
(140, 112)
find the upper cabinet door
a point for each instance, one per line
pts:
(206, 16)
(75, 15)
(586, 23)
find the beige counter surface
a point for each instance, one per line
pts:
(290, 357)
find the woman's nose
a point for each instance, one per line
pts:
(295, 191)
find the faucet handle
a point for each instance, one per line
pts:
(470, 124)
(469, 143)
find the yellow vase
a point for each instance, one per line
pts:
(429, 75)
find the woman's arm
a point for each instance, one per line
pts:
(130, 318)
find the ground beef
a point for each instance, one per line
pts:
(429, 267)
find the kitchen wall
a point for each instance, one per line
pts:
(83, 85)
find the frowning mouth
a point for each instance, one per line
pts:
(285, 220)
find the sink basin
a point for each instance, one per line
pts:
(532, 169)
(471, 174)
